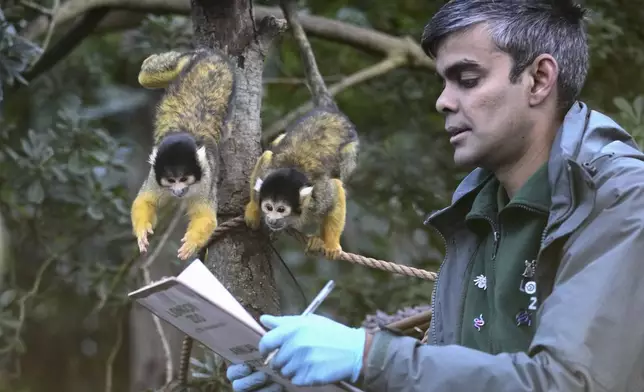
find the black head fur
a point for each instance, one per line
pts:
(284, 185)
(176, 157)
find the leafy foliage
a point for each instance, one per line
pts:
(66, 173)
(16, 53)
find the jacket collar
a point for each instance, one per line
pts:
(580, 138)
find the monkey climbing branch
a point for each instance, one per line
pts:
(238, 222)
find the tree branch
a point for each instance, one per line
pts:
(390, 63)
(72, 38)
(358, 37)
(321, 96)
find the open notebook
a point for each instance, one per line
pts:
(198, 304)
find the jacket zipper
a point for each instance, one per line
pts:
(496, 235)
(438, 276)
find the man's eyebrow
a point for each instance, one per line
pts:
(454, 70)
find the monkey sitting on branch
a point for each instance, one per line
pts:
(191, 122)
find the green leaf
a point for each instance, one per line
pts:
(623, 105)
(60, 175)
(95, 213)
(100, 156)
(35, 193)
(638, 106)
(26, 147)
(74, 164)
(7, 298)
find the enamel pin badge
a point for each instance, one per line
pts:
(479, 322)
(481, 282)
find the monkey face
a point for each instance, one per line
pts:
(178, 185)
(277, 214)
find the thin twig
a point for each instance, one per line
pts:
(38, 7)
(145, 268)
(50, 30)
(109, 364)
(298, 80)
(321, 95)
(126, 266)
(387, 65)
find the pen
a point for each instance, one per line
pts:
(317, 301)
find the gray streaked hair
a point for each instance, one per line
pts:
(524, 29)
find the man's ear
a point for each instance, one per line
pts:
(305, 193)
(543, 73)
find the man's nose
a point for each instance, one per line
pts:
(445, 102)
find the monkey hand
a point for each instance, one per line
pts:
(203, 221)
(252, 215)
(316, 244)
(143, 216)
(188, 248)
(142, 238)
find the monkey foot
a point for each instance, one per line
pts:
(316, 245)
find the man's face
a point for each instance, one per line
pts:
(487, 116)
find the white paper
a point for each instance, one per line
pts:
(200, 279)
(198, 304)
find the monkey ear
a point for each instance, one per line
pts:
(201, 156)
(305, 192)
(153, 156)
(258, 184)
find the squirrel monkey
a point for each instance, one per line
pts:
(300, 178)
(191, 122)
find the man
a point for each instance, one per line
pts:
(540, 289)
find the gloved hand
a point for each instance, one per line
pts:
(313, 350)
(244, 379)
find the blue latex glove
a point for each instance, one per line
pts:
(313, 350)
(244, 379)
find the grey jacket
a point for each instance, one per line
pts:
(590, 274)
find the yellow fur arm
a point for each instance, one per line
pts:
(252, 214)
(158, 70)
(203, 222)
(332, 225)
(144, 217)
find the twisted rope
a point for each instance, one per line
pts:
(238, 222)
(388, 266)
(184, 360)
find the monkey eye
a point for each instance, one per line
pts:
(269, 207)
(281, 209)
(183, 179)
(171, 180)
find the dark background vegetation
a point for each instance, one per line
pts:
(73, 144)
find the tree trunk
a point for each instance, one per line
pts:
(241, 259)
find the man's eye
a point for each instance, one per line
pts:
(469, 83)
